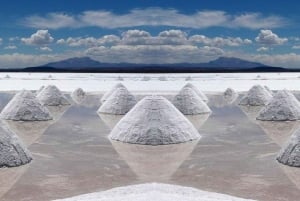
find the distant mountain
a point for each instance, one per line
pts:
(222, 64)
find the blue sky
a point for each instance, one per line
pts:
(147, 31)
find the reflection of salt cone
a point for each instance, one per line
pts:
(251, 111)
(28, 131)
(110, 120)
(154, 163)
(9, 176)
(293, 174)
(58, 111)
(198, 120)
(279, 132)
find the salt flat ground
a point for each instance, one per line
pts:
(73, 156)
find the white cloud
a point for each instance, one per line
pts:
(296, 47)
(11, 47)
(89, 41)
(219, 41)
(1, 40)
(40, 38)
(46, 49)
(267, 37)
(262, 49)
(154, 17)
(12, 39)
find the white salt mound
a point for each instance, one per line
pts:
(155, 192)
(283, 107)
(229, 92)
(119, 102)
(198, 92)
(25, 107)
(52, 96)
(78, 95)
(256, 96)
(189, 103)
(268, 89)
(154, 121)
(12, 151)
(290, 153)
(108, 93)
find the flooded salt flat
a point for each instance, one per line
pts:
(72, 156)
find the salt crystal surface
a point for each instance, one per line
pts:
(256, 96)
(198, 92)
(52, 96)
(290, 153)
(12, 151)
(283, 107)
(108, 93)
(154, 121)
(25, 107)
(189, 103)
(119, 102)
(154, 191)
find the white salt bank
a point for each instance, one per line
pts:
(25, 107)
(154, 121)
(198, 92)
(78, 95)
(12, 151)
(256, 96)
(154, 191)
(290, 153)
(52, 96)
(189, 103)
(108, 93)
(283, 107)
(118, 103)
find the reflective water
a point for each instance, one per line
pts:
(72, 156)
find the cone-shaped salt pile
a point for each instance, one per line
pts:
(189, 103)
(154, 121)
(78, 95)
(25, 107)
(290, 153)
(256, 96)
(283, 107)
(119, 102)
(12, 151)
(198, 92)
(52, 96)
(229, 92)
(268, 89)
(108, 93)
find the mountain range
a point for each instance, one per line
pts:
(221, 64)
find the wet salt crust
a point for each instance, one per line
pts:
(290, 153)
(119, 102)
(154, 121)
(189, 103)
(283, 107)
(52, 96)
(25, 107)
(154, 191)
(12, 151)
(256, 96)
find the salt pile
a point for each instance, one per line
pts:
(154, 121)
(119, 102)
(229, 93)
(198, 92)
(78, 95)
(154, 191)
(52, 96)
(25, 107)
(283, 107)
(189, 103)
(290, 153)
(256, 96)
(269, 90)
(110, 92)
(12, 151)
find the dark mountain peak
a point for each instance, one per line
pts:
(233, 62)
(75, 62)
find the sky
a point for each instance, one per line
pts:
(34, 32)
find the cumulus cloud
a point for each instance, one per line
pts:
(46, 49)
(296, 47)
(1, 40)
(267, 37)
(262, 49)
(11, 47)
(219, 41)
(89, 41)
(40, 38)
(154, 17)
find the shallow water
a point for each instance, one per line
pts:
(72, 156)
